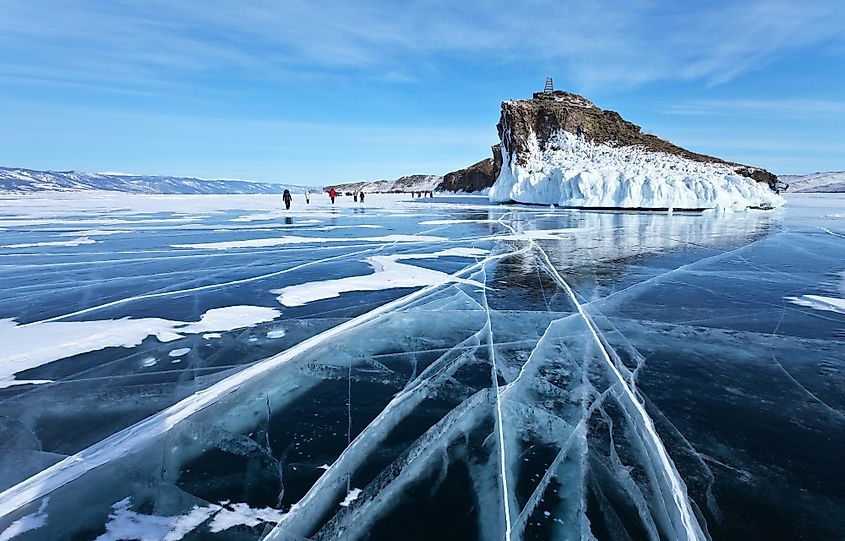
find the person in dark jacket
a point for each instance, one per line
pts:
(361, 196)
(286, 197)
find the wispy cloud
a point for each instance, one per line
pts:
(763, 108)
(598, 44)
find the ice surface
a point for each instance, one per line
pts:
(572, 172)
(554, 374)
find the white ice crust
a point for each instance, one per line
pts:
(126, 524)
(35, 344)
(291, 239)
(75, 242)
(572, 172)
(388, 273)
(26, 523)
(819, 302)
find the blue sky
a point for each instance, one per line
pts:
(318, 92)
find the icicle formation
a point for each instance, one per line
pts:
(572, 172)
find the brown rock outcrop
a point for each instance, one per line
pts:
(547, 113)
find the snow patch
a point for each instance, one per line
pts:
(94, 233)
(74, 242)
(179, 352)
(26, 523)
(351, 496)
(389, 274)
(35, 344)
(818, 302)
(452, 222)
(126, 524)
(241, 514)
(279, 241)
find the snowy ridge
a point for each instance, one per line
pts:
(572, 172)
(410, 183)
(15, 180)
(832, 182)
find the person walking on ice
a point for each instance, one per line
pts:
(307, 198)
(332, 195)
(286, 197)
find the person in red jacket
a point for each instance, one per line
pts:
(332, 195)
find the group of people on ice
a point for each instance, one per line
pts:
(288, 198)
(358, 196)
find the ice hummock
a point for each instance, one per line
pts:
(573, 172)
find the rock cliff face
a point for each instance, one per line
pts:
(478, 176)
(546, 114)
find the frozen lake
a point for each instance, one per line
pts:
(214, 367)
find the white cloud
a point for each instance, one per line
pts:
(760, 107)
(596, 44)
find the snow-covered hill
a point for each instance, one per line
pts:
(16, 180)
(410, 183)
(830, 182)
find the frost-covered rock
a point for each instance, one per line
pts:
(572, 172)
(559, 148)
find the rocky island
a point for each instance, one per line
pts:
(559, 148)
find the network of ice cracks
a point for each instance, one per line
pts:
(525, 407)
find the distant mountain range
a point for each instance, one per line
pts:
(833, 181)
(410, 183)
(16, 180)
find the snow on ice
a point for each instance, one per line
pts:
(388, 273)
(34, 344)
